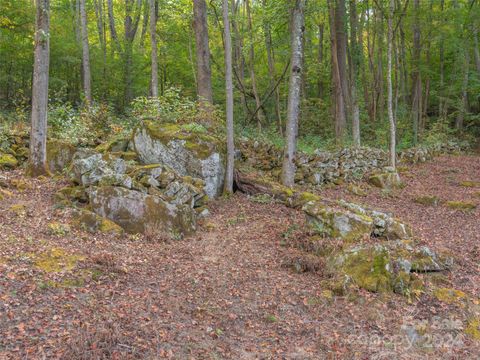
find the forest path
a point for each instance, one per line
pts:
(225, 293)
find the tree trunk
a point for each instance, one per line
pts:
(131, 27)
(271, 73)
(294, 93)
(441, 101)
(204, 73)
(260, 116)
(38, 134)
(416, 76)
(476, 50)
(321, 32)
(153, 42)
(354, 66)
(391, 119)
(87, 79)
(464, 99)
(229, 105)
(340, 112)
(99, 14)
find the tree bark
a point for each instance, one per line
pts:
(416, 75)
(391, 118)
(338, 77)
(204, 73)
(354, 66)
(320, 85)
(464, 99)
(229, 104)
(294, 93)
(131, 21)
(271, 72)
(87, 79)
(99, 14)
(441, 101)
(260, 116)
(153, 43)
(38, 134)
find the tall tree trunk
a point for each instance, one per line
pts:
(339, 76)
(238, 58)
(99, 14)
(153, 43)
(87, 79)
(38, 134)
(271, 73)
(464, 99)
(294, 93)
(260, 116)
(354, 66)
(112, 27)
(320, 85)
(441, 101)
(204, 72)
(380, 110)
(229, 105)
(391, 119)
(132, 19)
(476, 50)
(416, 75)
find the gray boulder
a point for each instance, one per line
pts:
(189, 153)
(137, 212)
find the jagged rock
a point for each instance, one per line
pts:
(92, 168)
(137, 212)
(71, 193)
(189, 153)
(337, 223)
(384, 225)
(59, 155)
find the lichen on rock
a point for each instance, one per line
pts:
(189, 153)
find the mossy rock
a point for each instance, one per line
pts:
(461, 205)
(59, 155)
(450, 296)
(386, 180)
(427, 200)
(116, 144)
(20, 184)
(72, 194)
(138, 212)
(189, 153)
(337, 223)
(89, 221)
(58, 229)
(8, 161)
(356, 190)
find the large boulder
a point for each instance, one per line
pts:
(387, 179)
(337, 223)
(59, 155)
(387, 266)
(187, 151)
(137, 212)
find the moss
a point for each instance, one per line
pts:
(59, 155)
(116, 144)
(473, 329)
(461, 205)
(8, 161)
(427, 200)
(56, 260)
(20, 184)
(450, 296)
(368, 269)
(356, 190)
(201, 144)
(18, 209)
(72, 193)
(58, 229)
(92, 222)
(470, 183)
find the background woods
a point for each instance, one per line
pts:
(110, 52)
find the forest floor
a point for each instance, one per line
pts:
(227, 292)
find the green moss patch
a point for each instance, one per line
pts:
(461, 205)
(56, 260)
(427, 200)
(8, 161)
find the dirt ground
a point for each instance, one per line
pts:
(227, 292)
